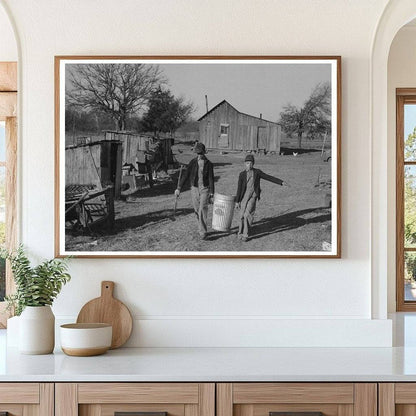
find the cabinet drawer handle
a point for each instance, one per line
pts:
(138, 414)
(296, 414)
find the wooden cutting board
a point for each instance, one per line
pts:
(107, 309)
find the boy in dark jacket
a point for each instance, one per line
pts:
(248, 192)
(200, 172)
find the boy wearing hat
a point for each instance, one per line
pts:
(248, 192)
(200, 172)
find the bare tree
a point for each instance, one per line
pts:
(313, 117)
(118, 90)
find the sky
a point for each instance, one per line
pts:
(251, 88)
(409, 119)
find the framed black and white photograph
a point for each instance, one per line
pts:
(198, 156)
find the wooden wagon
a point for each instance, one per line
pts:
(86, 207)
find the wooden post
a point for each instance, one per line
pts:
(118, 169)
(110, 202)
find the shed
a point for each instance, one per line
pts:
(131, 144)
(224, 127)
(136, 146)
(97, 163)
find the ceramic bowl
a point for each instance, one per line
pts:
(83, 340)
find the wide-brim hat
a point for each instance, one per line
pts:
(199, 148)
(249, 158)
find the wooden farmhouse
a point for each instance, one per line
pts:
(224, 127)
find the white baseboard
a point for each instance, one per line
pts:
(253, 332)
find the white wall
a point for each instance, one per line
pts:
(401, 74)
(179, 302)
(8, 47)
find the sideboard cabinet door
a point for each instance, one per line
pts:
(27, 399)
(397, 399)
(297, 399)
(141, 399)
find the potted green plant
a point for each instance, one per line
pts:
(36, 289)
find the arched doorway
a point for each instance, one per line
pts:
(396, 14)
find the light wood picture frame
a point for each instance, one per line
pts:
(183, 156)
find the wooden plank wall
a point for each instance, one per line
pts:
(248, 130)
(209, 126)
(132, 143)
(82, 165)
(275, 134)
(96, 164)
(243, 130)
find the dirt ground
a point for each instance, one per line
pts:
(291, 218)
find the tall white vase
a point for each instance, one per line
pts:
(13, 332)
(37, 330)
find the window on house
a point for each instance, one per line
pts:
(406, 199)
(224, 128)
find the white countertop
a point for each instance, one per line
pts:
(213, 364)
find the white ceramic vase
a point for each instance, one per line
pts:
(13, 331)
(37, 330)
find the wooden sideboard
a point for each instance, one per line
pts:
(208, 399)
